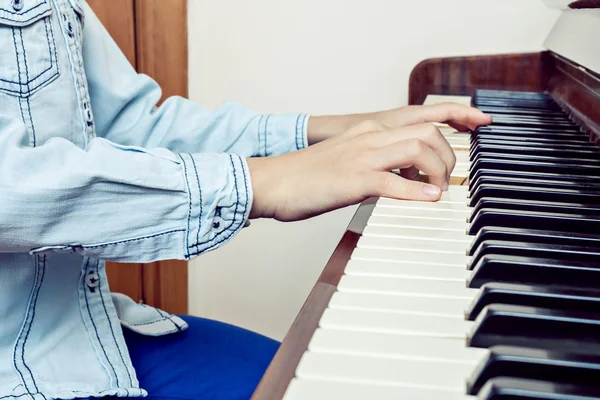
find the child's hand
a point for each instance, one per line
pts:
(349, 168)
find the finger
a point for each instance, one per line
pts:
(413, 153)
(390, 185)
(451, 113)
(427, 133)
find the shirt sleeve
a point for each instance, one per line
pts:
(124, 107)
(117, 202)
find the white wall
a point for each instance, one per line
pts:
(319, 56)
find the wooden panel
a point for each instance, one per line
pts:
(461, 75)
(578, 92)
(162, 53)
(117, 16)
(283, 367)
(165, 285)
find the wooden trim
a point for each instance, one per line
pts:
(162, 44)
(459, 76)
(283, 367)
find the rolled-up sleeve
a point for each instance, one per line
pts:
(125, 109)
(117, 202)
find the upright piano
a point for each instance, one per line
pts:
(493, 292)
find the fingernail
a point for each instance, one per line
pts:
(446, 185)
(431, 190)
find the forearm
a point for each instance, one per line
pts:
(325, 126)
(115, 202)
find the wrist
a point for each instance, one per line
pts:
(265, 186)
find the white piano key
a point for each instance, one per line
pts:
(386, 345)
(405, 270)
(355, 369)
(454, 194)
(451, 214)
(431, 99)
(405, 323)
(411, 256)
(313, 389)
(434, 306)
(412, 222)
(417, 233)
(423, 205)
(371, 242)
(405, 286)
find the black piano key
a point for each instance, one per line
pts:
(531, 142)
(502, 121)
(562, 195)
(561, 133)
(592, 154)
(535, 205)
(519, 111)
(537, 327)
(558, 366)
(519, 133)
(539, 250)
(535, 175)
(536, 158)
(531, 389)
(533, 220)
(534, 271)
(531, 166)
(533, 183)
(570, 298)
(515, 95)
(534, 236)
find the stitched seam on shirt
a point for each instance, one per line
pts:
(265, 130)
(297, 135)
(149, 323)
(302, 135)
(94, 246)
(41, 73)
(258, 130)
(200, 192)
(30, 307)
(110, 325)
(27, 77)
(169, 318)
(18, 12)
(87, 304)
(234, 212)
(189, 190)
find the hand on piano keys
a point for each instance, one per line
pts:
(492, 292)
(354, 165)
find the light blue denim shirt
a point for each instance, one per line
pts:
(92, 170)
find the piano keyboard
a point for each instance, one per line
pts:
(493, 292)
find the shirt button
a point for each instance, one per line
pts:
(18, 5)
(92, 280)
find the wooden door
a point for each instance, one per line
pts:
(150, 32)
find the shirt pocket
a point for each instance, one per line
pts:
(28, 57)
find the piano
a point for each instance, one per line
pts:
(494, 291)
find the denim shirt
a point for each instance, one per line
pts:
(92, 170)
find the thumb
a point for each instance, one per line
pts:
(396, 187)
